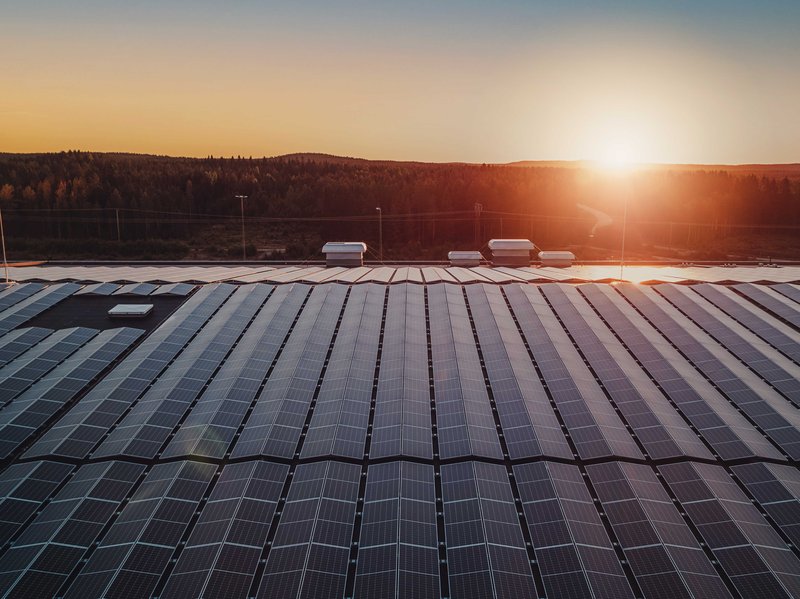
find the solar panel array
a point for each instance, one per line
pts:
(405, 440)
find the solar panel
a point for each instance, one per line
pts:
(23, 372)
(530, 426)
(23, 489)
(725, 429)
(594, 427)
(402, 423)
(21, 312)
(222, 554)
(788, 290)
(101, 289)
(732, 336)
(773, 302)
(87, 422)
(663, 553)
(309, 555)
(341, 414)
(18, 341)
(137, 548)
(776, 417)
(279, 415)
(212, 424)
(774, 332)
(464, 420)
(176, 289)
(144, 430)
(573, 550)
(398, 554)
(486, 555)
(747, 547)
(31, 410)
(136, 289)
(777, 489)
(655, 423)
(228, 454)
(53, 545)
(16, 293)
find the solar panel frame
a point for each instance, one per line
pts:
(213, 422)
(22, 311)
(339, 423)
(134, 552)
(402, 422)
(566, 530)
(747, 547)
(781, 374)
(150, 422)
(14, 294)
(223, 551)
(24, 487)
(486, 551)
(464, 421)
(398, 554)
(20, 374)
(726, 430)
(776, 488)
(31, 410)
(52, 546)
(771, 330)
(662, 432)
(80, 429)
(278, 417)
(591, 421)
(778, 419)
(663, 552)
(772, 301)
(530, 426)
(311, 548)
(15, 343)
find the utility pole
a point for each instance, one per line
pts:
(241, 199)
(624, 231)
(380, 232)
(119, 236)
(478, 209)
(3, 239)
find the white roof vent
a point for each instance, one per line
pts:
(557, 259)
(511, 252)
(464, 258)
(344, 253)
(130, 310)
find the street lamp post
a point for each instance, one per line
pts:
(241, 199)
(624, 231)
(380, 233)
(3, 239)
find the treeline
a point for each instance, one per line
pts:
(298, 201)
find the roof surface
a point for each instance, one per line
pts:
(399, 274)
(423, 438)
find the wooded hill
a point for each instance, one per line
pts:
(54, 202)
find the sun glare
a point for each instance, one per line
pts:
(617, 156)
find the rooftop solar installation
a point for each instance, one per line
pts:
(410, 431)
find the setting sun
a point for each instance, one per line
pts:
(618, 156)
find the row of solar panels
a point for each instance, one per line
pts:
(574, 372)
(333, 529)
(370, 373)
(42, 371)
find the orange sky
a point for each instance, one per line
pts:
(461, 81)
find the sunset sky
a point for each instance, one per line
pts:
(684, 81)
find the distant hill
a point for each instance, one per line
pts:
(774, 171)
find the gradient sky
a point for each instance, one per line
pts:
(478, 81)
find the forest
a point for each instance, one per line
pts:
(101, 206)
